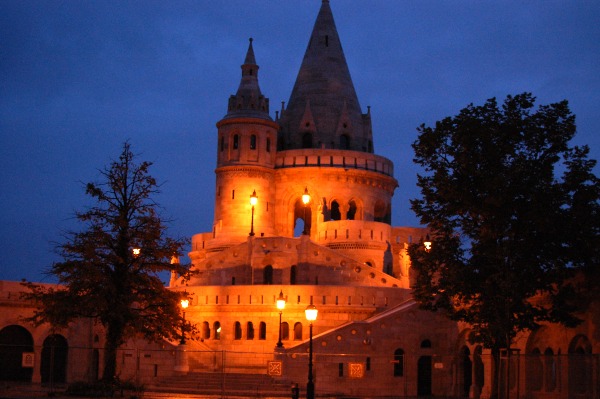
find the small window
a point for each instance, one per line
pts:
(222, 143)
(368, 364)
(236, 141)
(340, 369)
(298, 331)
(262, 330)
(253, 142)
(205, 330)
(268, 144)
(398, 363)
(426, 343)
(217, 330)
(237, 328)
(285, 331)
(249, 330)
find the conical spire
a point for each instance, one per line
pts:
(324, 81)
(248, 101)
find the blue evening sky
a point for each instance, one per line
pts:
(78, 78)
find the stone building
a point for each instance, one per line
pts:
(303, 213)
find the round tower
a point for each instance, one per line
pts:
(247, 141)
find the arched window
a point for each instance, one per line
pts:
(236, 141)
(335, 211)
(262, 330)
(398, 363)
(222, 143)
(351, 214)
(268, 275)
(426, 343)
(268, 144)
(293, 270)
(249, 330)
(307, 140)
(298, 331)
(237, 328)
(285, 331)
(205, 330)
(217, 330)
(344, 142)
(253, 142)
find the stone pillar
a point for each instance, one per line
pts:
(488, 369)
(181, 359)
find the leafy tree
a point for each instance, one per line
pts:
(102, 277)
(508, 234)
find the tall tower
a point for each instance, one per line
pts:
(247, 141)
(323, 110)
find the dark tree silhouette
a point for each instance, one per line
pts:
(508, 234)
(104, 276)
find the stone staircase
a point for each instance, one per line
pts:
(224, 384)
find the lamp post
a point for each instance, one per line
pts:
(311, 315)
(280, 306)
(184, 304)
(253, 201)
(305, 201)
(427, 243)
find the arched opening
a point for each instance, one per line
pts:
(344, 142)
(237, 328)
(293, 271)
(426, 343)
(580, 367)
(217, 330)
(262, 330)
(307, 140)
(304, 213)
(466, 367)
(236, 141)
(95, 366)
(249, 330)
(298, 331)
(478, 368)
(53, 366)
(253, 141)
(382, 212)
(534, 371)
(205, 330)
(285, 331)
(268, 275)
(549, 370)
(14, 342)
(399, 362)
(424, 376)
(351, 214)
(335, 211)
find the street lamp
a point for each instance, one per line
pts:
(280, 306)
(184, 304)
(305, 201)
(311, 315)
(427, 243)
(253, 201)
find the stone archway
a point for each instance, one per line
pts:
(53, 366)
(15, 341)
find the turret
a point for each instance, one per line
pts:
(247, 140)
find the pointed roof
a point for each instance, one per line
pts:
(248, 100)
(324, 81)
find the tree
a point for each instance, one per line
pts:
(104, 276)
(508, 235)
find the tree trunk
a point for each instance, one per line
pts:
(114, 337)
